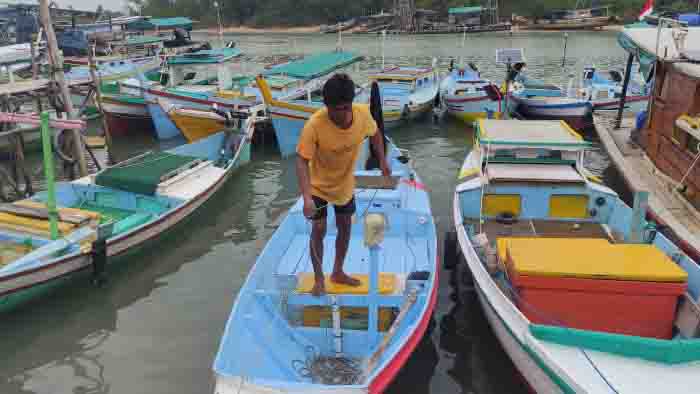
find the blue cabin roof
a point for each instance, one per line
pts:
(208, 56)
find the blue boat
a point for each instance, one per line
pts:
(468, 96)
(281, 339)
(132, 202)
(604, 89)
(406, 92)
(577, 286)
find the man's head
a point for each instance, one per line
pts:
(338, 94)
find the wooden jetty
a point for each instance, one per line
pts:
(666, 203)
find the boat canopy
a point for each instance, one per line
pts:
(142, 40)
(641, 42)
(207, 56)
(546, 134)
(315, 66)
(160, 24)
(464, 10)
(401, 73)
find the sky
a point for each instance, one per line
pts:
(91, 5)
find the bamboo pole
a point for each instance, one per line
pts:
(57, 73)
(49, 174)
(97, 81)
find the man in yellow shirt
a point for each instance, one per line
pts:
(327, 153)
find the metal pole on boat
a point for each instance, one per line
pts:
(374, 235)
(566, 40)
(49, 175)
(97, 81)
(218, 18)
(383, 42)
(625, 84)
(639, 211)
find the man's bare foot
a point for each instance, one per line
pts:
(319, 288)
(345, 279)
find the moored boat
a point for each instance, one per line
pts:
(374, 327)
(557, 260)
(135, 201)
(659, 151)
(406, 92)
(470, 97)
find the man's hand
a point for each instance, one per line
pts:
(309, 208)
(386, 171)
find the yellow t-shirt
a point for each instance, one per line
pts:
(332, 152)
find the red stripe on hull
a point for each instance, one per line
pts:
(387, 375)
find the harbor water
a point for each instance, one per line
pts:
(155, 326)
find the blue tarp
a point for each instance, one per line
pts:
(691, 19)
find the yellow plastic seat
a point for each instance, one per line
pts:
(387, 284)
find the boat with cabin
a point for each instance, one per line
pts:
(573, 19)
(468, 96)
(533, 99)
(604, 89)
(281, 339)
(658, 151)
(406, 92)
(134, 202)
(583, 293)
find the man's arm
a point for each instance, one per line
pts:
(305, 186)
(378, 145)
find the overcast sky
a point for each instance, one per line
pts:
(91, 5)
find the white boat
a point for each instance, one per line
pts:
(584, 295)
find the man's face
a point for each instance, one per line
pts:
(341, 114)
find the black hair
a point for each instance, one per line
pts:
(339, 89)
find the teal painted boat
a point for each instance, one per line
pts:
(281, 339)
(583, 293)
(134, 202)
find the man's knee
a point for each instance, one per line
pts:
(318, 227)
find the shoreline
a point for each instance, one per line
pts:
(212, 31)
(246, 29)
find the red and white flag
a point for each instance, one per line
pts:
(647, 9)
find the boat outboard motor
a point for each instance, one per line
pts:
(515, 70)
(231, 44)
(180, 36)
(375, 108)
(452, 65)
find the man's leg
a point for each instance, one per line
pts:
(318, 232)
(343, 220)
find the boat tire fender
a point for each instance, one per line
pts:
(99, 260)
(449, 251)
(506, 218)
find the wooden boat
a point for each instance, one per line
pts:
(470, 97)
(406, 92)
(196, 123)
(379, 323)
(579, 289)
(662, 158)
(288, 112)
(604, 89)
(576, 19)
(135, 202)
(533, 99)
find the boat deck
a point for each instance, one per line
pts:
(640, 174)
(397, 255)
(541, 228)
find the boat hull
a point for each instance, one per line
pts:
(195, 125)
(18, 289)
(127, 117)
(470, 109)
(577, 113)
(288, 124)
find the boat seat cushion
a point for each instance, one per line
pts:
(387, 284)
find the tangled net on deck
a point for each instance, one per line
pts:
(329, 370)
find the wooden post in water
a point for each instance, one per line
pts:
(625, 84)
(56, 63)
(98, 96)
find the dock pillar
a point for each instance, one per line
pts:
(625, 85)
(639, 212)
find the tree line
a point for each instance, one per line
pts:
(310, 12)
